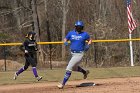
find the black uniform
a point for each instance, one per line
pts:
(29, 47)
(31, 56)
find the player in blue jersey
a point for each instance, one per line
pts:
(78, 46)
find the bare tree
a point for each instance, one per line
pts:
(65, 8)
(53, 18)
(37, 28)
(48, 32)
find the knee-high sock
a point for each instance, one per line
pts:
(20, 71)
(81, 70)
(34, 71)
(66, 77)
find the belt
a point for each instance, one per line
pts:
(76, 51)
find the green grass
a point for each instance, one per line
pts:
(6, 78)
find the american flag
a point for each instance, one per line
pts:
(131, 22)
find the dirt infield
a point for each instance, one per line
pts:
(112, 85)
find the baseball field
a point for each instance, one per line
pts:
(107, 80)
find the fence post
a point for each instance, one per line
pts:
(5, 67)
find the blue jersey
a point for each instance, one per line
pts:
(77, 40)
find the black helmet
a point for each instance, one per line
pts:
(31, 33)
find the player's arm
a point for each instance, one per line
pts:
(36, 46)
(25, 44)
(89, 41)
(66, 39)
(23, 47)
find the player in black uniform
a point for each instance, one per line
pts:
(30, 48)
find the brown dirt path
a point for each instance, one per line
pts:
(112, 85)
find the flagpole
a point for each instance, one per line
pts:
(131, 50)
(131, 26)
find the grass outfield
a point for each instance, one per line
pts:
(6, 78)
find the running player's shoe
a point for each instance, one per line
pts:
(15, 76)
(60, 86)
(86, 74)
(39, 78)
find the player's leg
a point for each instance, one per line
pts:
(85, 72)
(75, 60)
(22, 68)
(33, 63)
(77, 68)
(76, 57)
(66, 78)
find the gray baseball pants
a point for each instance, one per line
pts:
(75, 61)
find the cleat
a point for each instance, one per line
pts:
(39, 78)
(15, 76)
(60, 86)
(86, 74)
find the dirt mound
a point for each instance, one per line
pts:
(10, 65)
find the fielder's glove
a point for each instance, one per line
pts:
(65, 43)
(86, 47)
